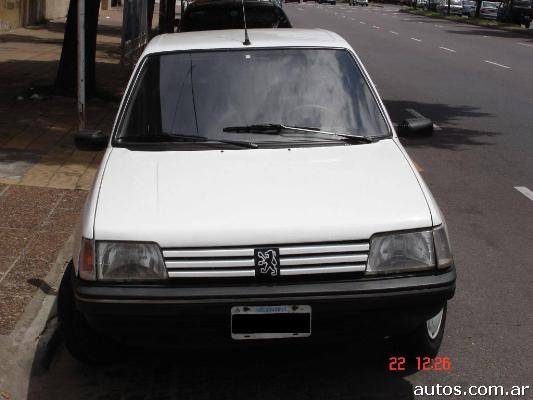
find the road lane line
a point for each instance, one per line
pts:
(499, 65)
(416, 114)
(361, 22)
(394, 33)
(375, 27)
(525, 44)
(352, 18)
(525, 191)
(439, 26)
(416, 40)
(447, 49)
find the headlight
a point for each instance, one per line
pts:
(442, 247)
(129, 261)
(401, 252)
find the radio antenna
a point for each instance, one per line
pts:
(246, 38)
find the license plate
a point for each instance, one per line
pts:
(270, 322)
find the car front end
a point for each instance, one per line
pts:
(309, 227)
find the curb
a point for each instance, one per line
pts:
(30, 347)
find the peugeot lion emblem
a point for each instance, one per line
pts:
(266, 262)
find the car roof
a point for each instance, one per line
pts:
(225, 3)
(233, 39)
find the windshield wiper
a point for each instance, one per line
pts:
(164, 138)
(277, 129)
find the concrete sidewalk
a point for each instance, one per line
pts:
(43, 179)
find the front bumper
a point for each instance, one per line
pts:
(371, 305)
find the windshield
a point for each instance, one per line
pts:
(201, 93)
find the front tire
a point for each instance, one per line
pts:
(83, 342)
(425, 340)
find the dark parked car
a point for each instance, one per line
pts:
(227, 14)
(469, 8)
(520, 12)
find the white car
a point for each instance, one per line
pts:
(358, 2)
(255, 190)
(489, 9)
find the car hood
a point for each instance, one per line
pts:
(260, 196)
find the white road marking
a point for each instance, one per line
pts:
(352, 18)
(416, 114)
(374, 26)
(361, 22)
(439, 26)
(447, 49)
(344, 16)
(416, 40)
(525, 191)
(499, 65)
(525, 44)
(394, 33)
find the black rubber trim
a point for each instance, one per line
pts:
(439, 286)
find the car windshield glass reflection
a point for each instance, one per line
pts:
(202, 93)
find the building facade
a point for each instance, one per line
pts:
(16, 13)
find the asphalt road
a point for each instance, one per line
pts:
(477, 86)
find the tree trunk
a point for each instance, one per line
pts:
(167, 15)
(151, 4)
(478, 7)
(67, 73)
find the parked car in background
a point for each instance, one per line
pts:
(520, 12)
(422, 3)
(358, 3)
(469, 8)
(332, 2)
(456, 7)
(227, 14)
(489, 9)
(432, 4)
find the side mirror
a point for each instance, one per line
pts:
(416, 127)
(90, 140)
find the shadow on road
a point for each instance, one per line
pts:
(491, 32)
(269, 371)
(453, 135)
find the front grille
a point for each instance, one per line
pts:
(295, 259)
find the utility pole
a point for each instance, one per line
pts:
(81, 64)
